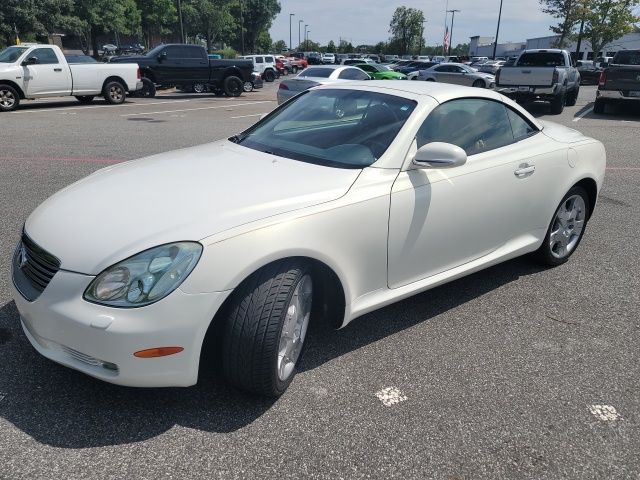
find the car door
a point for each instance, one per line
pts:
(441, 73)
(49, 76)
(195, 64)
(459, 76)
(443, 218)
(170, 65)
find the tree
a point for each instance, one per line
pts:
(279, 46)
(31, 18)
(157, 19)
(345, 47)
(103, 16)
(211, 19)
(257, 16)
(567, 12)
(263, 42)
(331, 47)
(406, 28)
(608, 20)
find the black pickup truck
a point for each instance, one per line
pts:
(188, 65)
(620, 81)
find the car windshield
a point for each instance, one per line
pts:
(627, 58)
(339, 128)
(317, 72)
(11, 54)
(541, 59)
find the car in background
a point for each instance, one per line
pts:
(355, 61)
(490, 66)
(214, 56)
(255, 82)
(380, 72)
(328, 58)
(476, 59)
(423, 58)
(438, 59)
(458, 74)
(620, 81)
(265, 65)
(297, 63)
(73, 58)
(589, 73)
(318, 75)
(314, 58)
(414, 66)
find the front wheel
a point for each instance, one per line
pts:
(294, 69)
(9, 98)
(247, 87)
(566, 228)
(266, 328)
(85, 99)
(478, 84)
(232, 86)
(199, 87)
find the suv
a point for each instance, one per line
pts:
(265, 65)
(328, 58)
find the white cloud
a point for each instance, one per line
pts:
(367, 22)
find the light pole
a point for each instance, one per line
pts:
(291, 15)
(181, 27)
(300, 22)
(495, 45)
(308, 32)
(305, 35)
(453, 16)
(241, 30)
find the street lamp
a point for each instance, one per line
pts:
(181, 27)
(300, 22)
(305, 35)
(307, 43)
(290, 41)
(453, 16)
(495, 45)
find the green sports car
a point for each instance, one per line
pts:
(380, 72)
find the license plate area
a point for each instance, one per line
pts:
(634, 93)
(523, 89)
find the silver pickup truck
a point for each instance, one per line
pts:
(547, 75)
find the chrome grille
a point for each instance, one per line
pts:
(33, 268)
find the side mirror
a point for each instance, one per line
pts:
(439, 155)
(162, 56)
(30, 61)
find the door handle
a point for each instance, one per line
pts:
(524, 169)
(57, 69)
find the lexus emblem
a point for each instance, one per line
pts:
(22, 257)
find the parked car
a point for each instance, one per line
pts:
(457, 73)
(314, 58)
(589, 73)
(38, 71)
(620, 81)
(356, 61)
(265, 65)
(380, 72)
(317, 213)
(438, 59)
(541, 74)
(177, 64)
(423, 58)
(413, 67)
(255, 82)
(318, 75)
(490, 66)
(328, 58)
(297, 64)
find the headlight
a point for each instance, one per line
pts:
(146, 277)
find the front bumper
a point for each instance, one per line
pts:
(618, 95)
(100, 341)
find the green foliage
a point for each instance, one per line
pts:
(227, 53)
(567, 12)
(256, 17)
(279, 46)
(210, 19)
(608, 20)
(157, 18)
(263, 42)
(406, 29)
(331, 47)
(345, 47)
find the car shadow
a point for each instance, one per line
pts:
(36, 105)
(616, 112)
(63, 408)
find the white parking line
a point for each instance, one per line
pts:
(253, 115)
(46, 110)
(194, 109)
(390, 396)
(606, 413)
(579, 117)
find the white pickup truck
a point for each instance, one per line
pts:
(36, 71)
(547, 75)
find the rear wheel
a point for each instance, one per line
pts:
(233, 86)
(85, 98)
(9, 98)
(114, 92)
(199, 87)
(266, 328)
(148, 89)
(269, 76)
(478, 84)
(558, 103)
(598, 106)
(573, 97)
(247, 87)
(566, 228)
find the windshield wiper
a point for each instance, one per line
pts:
(238, 138)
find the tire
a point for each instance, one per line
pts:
(85, 99)
(479, 84)
(430, 80)
(573, 97)
(558, 103)
(574, 207)
(258, 323)
(294, 69)
(114, 92)
(269, 76)
(9, 98)
(148, 89)
(598, 106)
(199, 88)
(232, 86)
(218, 92)
(247, 87)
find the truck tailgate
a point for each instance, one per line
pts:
(625, 77)
(530, 76)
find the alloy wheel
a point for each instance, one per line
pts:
(116, 93)
(567, 226)
(7, 99)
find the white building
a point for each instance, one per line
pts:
(483, 47)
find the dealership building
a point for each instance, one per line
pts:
(483, 46)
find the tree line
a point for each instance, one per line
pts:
(238, 23)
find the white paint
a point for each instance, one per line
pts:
(194, 109)
(606, 413)
(246, 116)
(390, 396)
(582, 115)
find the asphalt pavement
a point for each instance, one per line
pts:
(513, 372)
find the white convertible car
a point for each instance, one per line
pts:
(347, 198)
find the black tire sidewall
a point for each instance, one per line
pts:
(15, 95)
(148, 89)
(107, 96)
(233, 86)
(269, 76)
(478, 84)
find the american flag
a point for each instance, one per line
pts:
(446, 39)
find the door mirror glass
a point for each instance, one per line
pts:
(30, 61)
(162, 56)
(439, 155)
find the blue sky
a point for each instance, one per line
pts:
(367, 21)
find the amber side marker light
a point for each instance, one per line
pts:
(158, 352)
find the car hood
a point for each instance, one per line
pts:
(187, 194)
(128, 59)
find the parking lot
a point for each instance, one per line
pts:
(513, 372)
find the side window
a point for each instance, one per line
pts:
(173, 53)
(443, 68)
(192, 52)
(45, 56)
(258, 60)
(268, 59)
(474, 124)
(521, 128)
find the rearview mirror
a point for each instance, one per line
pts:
(30, 61)
(439, 155)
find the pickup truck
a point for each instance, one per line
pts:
(620, 81)
(35, 71)
(187, 65)
(547, 75)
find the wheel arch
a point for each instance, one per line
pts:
(233, 72)
(15, 86)
(114, 78)
(590, 185)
